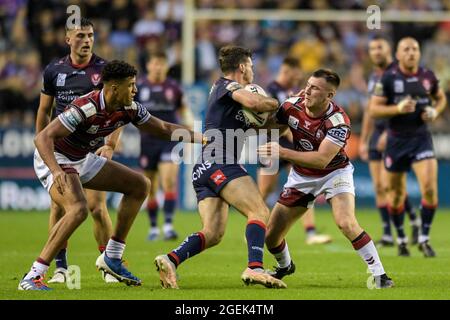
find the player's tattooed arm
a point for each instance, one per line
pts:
(170, 131)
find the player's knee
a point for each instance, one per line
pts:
(56, 210)
(346, 225)
(259, 212)
(98, 211)
(142, 187)
(380, 189)
(213, 238)
(398, 198)
(429, 192)
(79, 211)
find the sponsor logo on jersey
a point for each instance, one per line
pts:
(119, 124)
(337, 119)
(89, 109)
(306, 124)
(399, 86)
(338, 133)
(144, 94)
(319, 134)
(427, 85)
(61, 79)
(72, 117)
(306, 145)
(93, 129)
(378, 90)
(293, 122)
(95, 78)
(96, 141)
(388, 162)
(169, 94)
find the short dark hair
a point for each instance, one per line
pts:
(379, 37)
(84, 22)
(158, 54)
(329, 75)
(231, 56)
(291, 62)
(118, 70)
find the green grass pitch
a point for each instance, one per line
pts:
(333, 271)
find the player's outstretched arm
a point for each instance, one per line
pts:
(44, 112)
(170, 131)
(255, 101)
(312, 159)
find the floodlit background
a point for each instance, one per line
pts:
(321, 33)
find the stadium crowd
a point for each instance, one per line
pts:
(32, 34)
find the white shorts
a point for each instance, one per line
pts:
(302, 190)
(87, 167)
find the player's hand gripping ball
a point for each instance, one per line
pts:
(255, 118)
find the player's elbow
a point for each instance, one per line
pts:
(42, 139)
(38, 138)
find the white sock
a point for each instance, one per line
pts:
(154, 230)
(370, 256)
(37, 269)
(423, 238)
(283, 257)
(167, 227)
(114, 249)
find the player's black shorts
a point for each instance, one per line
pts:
(155, 151)
(209, 179)
(402, 151)
(374, 154)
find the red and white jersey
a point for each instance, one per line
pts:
(308, 133)
(89, 122)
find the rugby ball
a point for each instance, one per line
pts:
(255, 118)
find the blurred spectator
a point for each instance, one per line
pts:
(205, 57)
(308, 49)
(133, 29)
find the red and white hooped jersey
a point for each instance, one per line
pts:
(89, 122)
(308, 132)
